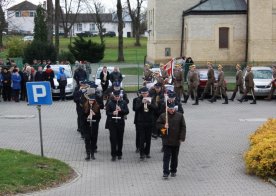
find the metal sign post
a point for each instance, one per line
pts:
(39, 93)
(40, 129)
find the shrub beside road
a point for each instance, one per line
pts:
(260, 159)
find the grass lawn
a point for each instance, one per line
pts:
(22, 172)
(132, 53)
(131, 70)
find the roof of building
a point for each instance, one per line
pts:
(25, 5)
(218, 7)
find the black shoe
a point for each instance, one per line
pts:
(93, 157)
(231, 99)
(165, 176)
(173, 174)
(240, 100)
(119, 157)
(154, 136)
(137, 150)
(148, 156)
(142, 157)
(196, 103)
(254, 102)
(87, 158)
(211, 100)
(113, 159)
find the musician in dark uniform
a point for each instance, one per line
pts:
(174, 129)
(137, 137)
(145, 109)
(78, 97)
(157, 94)
(249, 85)
(193, 81)
(210, 82)
(92, 114)
(239, 82)
(116, 109)
(220, 87)
(172, 99)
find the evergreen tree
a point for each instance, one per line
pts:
(87, 50)
(40, 28)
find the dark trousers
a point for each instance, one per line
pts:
(1, 87)
(7, 93)
(91, 137)
(137, 139)
(16, 95)
(23, 93)
(116, 131)
(79, 120)
(170, 156)
(145, 131)
(62, 92)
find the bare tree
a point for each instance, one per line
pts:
(135, 15)
(2, 24)
(68, 15)
(57, 14)
(50, 21)
(97, 8)
(120, 31)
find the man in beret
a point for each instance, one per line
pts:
(221, 88)
(193, 84)
(249, 85)
(210, 82)
(174, 132)
(116, 110)
(145, 109)
(239, 82)
(178, 81)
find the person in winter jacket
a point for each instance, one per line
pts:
(49, 75)
(39, 74)
(16, 84)
(6, 84)
(62, 80)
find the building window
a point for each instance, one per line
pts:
(79, 27)
(92, 27)
(167, 51)
(223, 37)
(31, 14)
(17, 14)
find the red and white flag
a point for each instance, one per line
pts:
(169, 66)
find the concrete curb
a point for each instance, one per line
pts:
(63, 185)
(272, 181)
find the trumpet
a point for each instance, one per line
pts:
(90, 116)
(117, 110)
(146, 100)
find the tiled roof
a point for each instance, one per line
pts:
(25, 5)
(91, 17)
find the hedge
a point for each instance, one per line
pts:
(260, 159)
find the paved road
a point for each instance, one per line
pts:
(210, 161)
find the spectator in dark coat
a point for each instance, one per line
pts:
(80, 75)
(39, 74)
(6, 84)
(104, 77)
(49, 75)
(116, 75)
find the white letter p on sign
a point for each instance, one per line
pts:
(38, 94)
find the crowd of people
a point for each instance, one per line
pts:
(158, 112)
(13, 79)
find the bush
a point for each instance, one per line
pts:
(15, 47)
(87, 50)
(260, 159)
(66, 56)
(41, 51)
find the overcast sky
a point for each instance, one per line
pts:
(109, 4)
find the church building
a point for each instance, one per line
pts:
(212, 30)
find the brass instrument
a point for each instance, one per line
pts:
(116, 109)
(90, 116)
(164, 130)
(147, 99)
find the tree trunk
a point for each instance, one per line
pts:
(2, 24)
(57, 16)
(50, 21)
(120, 31)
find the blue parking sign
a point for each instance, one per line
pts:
(39, 93)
